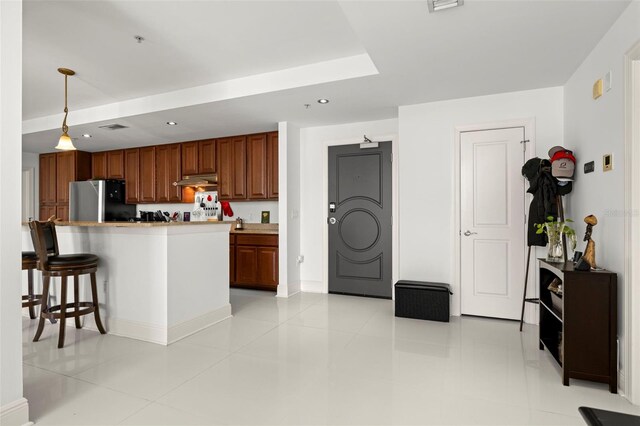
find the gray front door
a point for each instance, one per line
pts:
(359, 215)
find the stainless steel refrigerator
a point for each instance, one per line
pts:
(99, 201)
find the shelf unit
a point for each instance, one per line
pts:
(580, 331)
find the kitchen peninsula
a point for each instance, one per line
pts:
(158, 281)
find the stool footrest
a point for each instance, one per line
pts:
(51, 312)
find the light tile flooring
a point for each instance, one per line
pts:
(309, 359)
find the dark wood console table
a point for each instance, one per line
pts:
(580, 328)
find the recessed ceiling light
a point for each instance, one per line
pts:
(323, 101)
(438, 5)
(172, 123)
(86, 135)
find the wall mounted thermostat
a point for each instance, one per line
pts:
(589, 167)
(607, 162)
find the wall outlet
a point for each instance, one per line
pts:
(607, 81)
(301, 258)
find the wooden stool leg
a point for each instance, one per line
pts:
(43, 306)
(32, 311)
(63, 311)
(96, 312)
(76, 299)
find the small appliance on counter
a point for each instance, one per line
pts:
(239, 223)
(206, 207)
(99, 201)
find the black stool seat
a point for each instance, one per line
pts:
(31, 255)
(75, 260)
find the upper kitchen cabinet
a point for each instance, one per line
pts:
(257, 167)
(107, 165)
(147, 174)
(115, 164)
(99, 165)
(232, 166)
(47, 179)
(272, 165)
(189, 158)
(131, 173)
(168, 171)
(199, 157)
(207, 156)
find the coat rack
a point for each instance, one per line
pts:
(536, 300)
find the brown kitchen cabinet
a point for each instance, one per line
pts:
(47, 179)
(189, 158)
(57, 170)
(99, 165)
(272, 165)
(107, 164)
(254, 263)
(232, 166)
(168, 171)
(199, 157)
(207, 156)
(115, 164)
(257, 167)
(131, 175)
(147, 175)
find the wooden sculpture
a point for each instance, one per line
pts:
(590, 251)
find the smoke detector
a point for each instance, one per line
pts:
(438, 5)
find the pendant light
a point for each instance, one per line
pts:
(65, 143)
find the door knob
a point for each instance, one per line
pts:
(467, 233)
(332, 220)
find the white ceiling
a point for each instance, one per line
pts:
(481, 48)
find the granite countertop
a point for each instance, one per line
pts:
(139, 224)
(256, 228)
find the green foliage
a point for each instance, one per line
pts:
(553, 226)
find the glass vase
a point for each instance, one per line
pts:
(555, 251)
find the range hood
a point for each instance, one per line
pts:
(198, 180)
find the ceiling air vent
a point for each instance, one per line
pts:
(438, 5)
(113, 127)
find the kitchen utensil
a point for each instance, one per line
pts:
(239, 223)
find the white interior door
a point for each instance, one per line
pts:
(492, 245)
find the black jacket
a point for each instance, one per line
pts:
(543, 186)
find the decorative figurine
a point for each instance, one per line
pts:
(590, 251)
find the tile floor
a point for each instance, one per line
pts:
(310, 359)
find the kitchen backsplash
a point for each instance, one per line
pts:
(250, 211)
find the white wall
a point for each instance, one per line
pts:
(32, 161)
(594, 128)
(313, 213)
(292, 212)
(250, 211)
(426, 167)
(13, 407)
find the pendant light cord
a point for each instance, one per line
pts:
(65, 128)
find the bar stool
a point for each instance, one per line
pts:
(53, 264)
(30, 300)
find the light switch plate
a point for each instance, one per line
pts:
(607, 162)
(607, 81)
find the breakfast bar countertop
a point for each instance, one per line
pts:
(140, 224)
(256, 228)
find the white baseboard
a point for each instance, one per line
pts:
(311, 287)
(189, 327)
(15, 413)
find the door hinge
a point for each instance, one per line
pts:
(391, 157)
(524, 144)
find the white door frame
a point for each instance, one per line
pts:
(631, 387)
(529, 131)
(394, 207)
(28, 194)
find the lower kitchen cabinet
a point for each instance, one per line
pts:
(253, 261)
